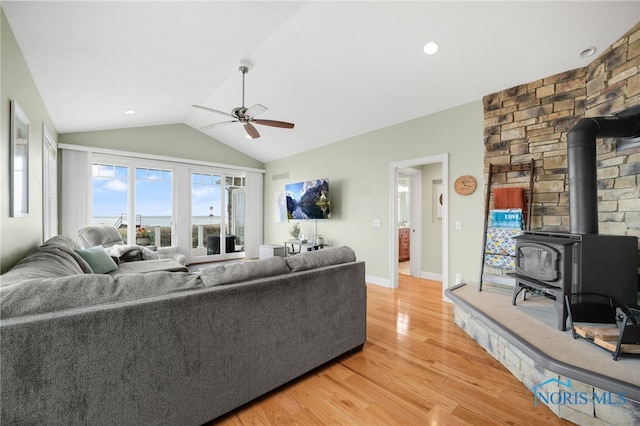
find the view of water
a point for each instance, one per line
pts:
(150, 221)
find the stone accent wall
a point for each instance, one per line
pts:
(532, 121)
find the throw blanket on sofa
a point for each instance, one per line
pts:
(119, 250)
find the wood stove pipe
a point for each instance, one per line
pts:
(582, 166)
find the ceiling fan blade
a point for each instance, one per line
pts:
(220, 124)
(257, 109)
(212, 110)
(251, 131)
(274, 123)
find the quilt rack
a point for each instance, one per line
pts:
(528, 167)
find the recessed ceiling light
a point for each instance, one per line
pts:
(130, 112)
(431, 48)
(588, 52)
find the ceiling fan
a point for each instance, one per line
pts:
(246, 116)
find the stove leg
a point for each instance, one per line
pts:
(561, 309)
(517, 291)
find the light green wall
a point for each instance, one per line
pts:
(173, 140)
(358, 172)
(431, 224)
(18, 236)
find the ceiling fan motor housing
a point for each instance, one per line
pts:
(239, 113)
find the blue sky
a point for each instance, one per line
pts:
(153, 192)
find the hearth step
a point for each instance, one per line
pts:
(605, 337)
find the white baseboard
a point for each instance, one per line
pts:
(431, 276)
(382, 282)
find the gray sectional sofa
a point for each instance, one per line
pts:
(167, 348)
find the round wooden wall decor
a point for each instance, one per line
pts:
(465, 185)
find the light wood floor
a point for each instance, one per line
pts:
(417, 368)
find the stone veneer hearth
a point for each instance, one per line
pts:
(531, 373)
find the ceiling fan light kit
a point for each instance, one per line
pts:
(245, 115)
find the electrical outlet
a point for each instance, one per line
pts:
(458, 225)
(375, 222)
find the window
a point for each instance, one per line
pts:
(154, 207)
(110, 196)
(149, 216)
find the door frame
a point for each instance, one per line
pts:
(49, 184)
(394, 169)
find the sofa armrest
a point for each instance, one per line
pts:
(172, 253)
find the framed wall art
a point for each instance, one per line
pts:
(19, 161)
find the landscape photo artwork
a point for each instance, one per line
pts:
(308, 200)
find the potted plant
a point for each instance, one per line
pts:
(143, 237)
(295, 231)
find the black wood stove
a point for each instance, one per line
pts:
(581, 261)
(556, 265)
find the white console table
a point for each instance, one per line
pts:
(272, 250)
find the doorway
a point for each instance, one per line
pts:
(396, 170)
(409, 221)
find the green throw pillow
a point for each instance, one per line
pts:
(98, 259)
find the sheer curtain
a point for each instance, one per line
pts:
(254, 211)
(76, 191)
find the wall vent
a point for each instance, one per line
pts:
(280, 176)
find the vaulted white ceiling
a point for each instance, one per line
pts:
(335, 69)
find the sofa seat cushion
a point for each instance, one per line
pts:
(319, 258)
(98, 259)
(55, 258)
(146, 266)
(38, 296)
(243, 271)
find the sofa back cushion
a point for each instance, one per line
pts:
(38, 296)
(244, 271)
(55, 258)
(99, 235)
(319, 258)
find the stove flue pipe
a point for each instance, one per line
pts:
(582, 166)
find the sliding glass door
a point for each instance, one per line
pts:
(206, 214)
(217, 216)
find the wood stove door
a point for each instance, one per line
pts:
(537, 261)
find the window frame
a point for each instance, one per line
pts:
(181, 197)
